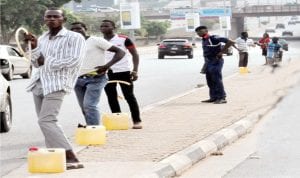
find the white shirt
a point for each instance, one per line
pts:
(244, 45)
(95, 54)
(125, 64)
(63, 55)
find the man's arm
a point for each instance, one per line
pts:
(119, 54)
(224, 49)
(135, 58)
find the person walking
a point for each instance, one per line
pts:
(213, 54)
(122, 71)
(273, 51)
(242, 44)
(92, 77)
(57, 54)
(263, 43)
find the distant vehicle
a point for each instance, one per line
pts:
(284, 44)
(270, 30)
(287, 33)
(280, 26)
(5, 105)
(13, 63)
(292, 22)
(175, 47)
(273, 32)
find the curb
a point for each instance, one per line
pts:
(179, 162)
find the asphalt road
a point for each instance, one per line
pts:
(159, 80)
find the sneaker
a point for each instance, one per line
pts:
(137, 125)
(211, 100)
(220, 101)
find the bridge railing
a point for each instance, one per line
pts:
(268, 9)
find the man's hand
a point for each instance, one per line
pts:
(101, 69)
(133, 76)
(30, 37)
(219, 55)
(41, 60)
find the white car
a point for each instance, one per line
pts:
(5, 105)
(13, 63)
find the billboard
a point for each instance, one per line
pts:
(192, 21)
(130, 15)
(225, 23)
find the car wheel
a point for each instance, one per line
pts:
(6, 116)
(160, 56)
(190, 56)
(9, 75)
(27, 74)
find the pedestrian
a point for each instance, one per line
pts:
(263, 43)
(242, 44)
(122, 70)
(57, 54)
(273, 51)
(213, 55)
(92, 76)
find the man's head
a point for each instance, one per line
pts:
(244, 35)
(54, 18)
(79, 27)
(266, 35)
(201, 31)
(107, 26)
(275, 39)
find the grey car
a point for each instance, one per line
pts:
(13, 63)
(5, 105)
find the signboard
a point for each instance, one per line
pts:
(225, 23)
(192, 21)
(130, 15)
(216, 12)
(178, 14)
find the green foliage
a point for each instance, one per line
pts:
(156, 28)
(26, 13)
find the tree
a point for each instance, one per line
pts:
(155, 28)
(26, 13)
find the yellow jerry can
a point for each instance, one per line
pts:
(46, 160)
(91, 135)
(115, 121)
(244, 70)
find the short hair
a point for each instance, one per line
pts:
(275, 39)
(200, 28)
(80, 23)
(244, 33)
(110, 21)
(266, 34)
(56, 8)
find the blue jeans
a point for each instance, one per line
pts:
(214, 78)
(88, 91)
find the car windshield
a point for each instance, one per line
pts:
(174, 42)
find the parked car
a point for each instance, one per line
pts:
(292, 22)
(284, 44)
(175, 47)
(13, 63)
(287, 33)
(5, 105)
(280, 26)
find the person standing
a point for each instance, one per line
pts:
(92, 77)
(242, 45)
(57, 54)
(122, 71)
(213, 55)
(263, 43)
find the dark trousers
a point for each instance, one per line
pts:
(214, 79)
(127, 90)
(243, 59)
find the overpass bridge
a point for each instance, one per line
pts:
(238, 14)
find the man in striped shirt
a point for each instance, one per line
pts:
(57, 55)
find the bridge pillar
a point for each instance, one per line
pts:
(237, 26)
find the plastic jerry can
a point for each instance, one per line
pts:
(46, 160)
(116, 121)
(91, 135)
(244, 70)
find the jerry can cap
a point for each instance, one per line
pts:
(33, 149)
